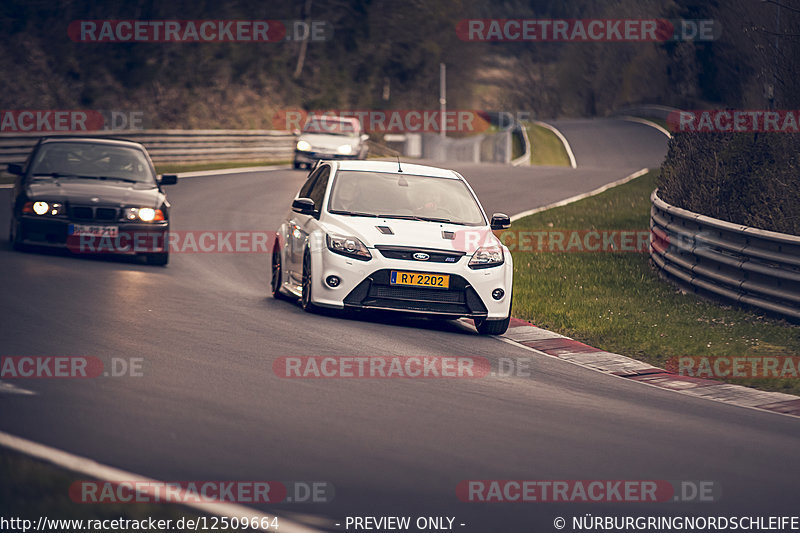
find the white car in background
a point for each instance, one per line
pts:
(329, 137)
(377, 235)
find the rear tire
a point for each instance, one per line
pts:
(305, 299)
(277, 274)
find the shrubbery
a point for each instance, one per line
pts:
(745, 178)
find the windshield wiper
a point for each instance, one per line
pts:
(425, 219)
(352, 213)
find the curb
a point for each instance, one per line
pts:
(522, 332)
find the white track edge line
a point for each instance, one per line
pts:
(93, 469)
(564, 141)
(647, 123)
(573, 199)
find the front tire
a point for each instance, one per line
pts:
(492, 327)
(15, 238)
(305, 298)
(157, 259)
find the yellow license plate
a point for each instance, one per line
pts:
(418, 279)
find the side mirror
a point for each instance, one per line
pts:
(14, 168)
(296, 132)
(304, 206)
(364, 137)
(169, 179)
(500, 221)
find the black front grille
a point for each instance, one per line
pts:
(80, 212)
(394, 292)
(375, 292)
(407, 254)
(105, 213)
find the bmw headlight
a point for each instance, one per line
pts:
(303, 146)
(43, 208)
(487, 256)
(345, 149)
(348, 246)
(145, 214)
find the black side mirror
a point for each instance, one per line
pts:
(304, 206)
(14, 168)
(169, 179)
(500, 221)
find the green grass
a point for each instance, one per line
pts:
(546, 147)
(175, 168)
(616, 301)
(30, 488)
(6, 178)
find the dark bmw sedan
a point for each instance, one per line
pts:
(91, 196)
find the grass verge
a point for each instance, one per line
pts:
(616, 302)
(176, 168)
(30, 488)
(546, 147)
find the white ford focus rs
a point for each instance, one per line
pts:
(376, 235)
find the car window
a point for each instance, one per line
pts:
(305, 190)
(92, 160)
(318, 190)
(349, 127)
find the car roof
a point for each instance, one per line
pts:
(392, 167)
(91, 140)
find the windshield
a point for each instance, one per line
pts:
(404, 196)
(332, 126)
(92, 161)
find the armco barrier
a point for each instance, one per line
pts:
(738, 263)
(168, 146)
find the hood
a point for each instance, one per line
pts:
(80, 191)
(412, 233)
(327, 142)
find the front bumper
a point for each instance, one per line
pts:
(365, 285)
(132, 238)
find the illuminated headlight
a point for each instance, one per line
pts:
(303, 146)
(348, 246)
(487, 256)
(345, 149)
(43, 208)
(145, 214)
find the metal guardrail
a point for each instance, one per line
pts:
(172, 146)
(745, 265)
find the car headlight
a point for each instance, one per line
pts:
(345, 149)
(487, 256)
(145, 214)
(43, 208)
(304, 146)
(348, 246)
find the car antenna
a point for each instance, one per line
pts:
(399, 168)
